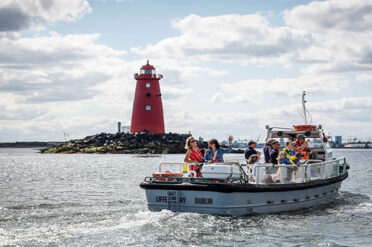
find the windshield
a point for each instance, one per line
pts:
(315, 143)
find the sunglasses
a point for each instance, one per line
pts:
(193, 141)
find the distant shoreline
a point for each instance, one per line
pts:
(29, 144)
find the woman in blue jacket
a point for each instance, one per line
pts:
(215, 153)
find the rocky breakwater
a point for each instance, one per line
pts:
(127, 143)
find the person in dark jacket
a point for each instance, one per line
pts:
(250, 150)
(274, 153)
(266, 150)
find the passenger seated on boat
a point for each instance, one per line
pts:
(254, 159)
(268, 179)
(287, 172)
(283, 159)
(291, 154)
(274, 153)
(290, 148)
(250, 150)
(215, 153)
(193, 154)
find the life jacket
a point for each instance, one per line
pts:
(290, 155)
(304, 155)
(286, 150)
(294, 160)
(289, 152)
(196, 155)
(284, 161)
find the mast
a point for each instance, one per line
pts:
(303, 106)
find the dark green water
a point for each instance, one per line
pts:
(95, 200)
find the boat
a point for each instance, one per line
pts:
(358, 144)
(236, 188)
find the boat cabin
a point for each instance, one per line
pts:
(319, 146)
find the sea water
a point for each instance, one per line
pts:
(95, 200)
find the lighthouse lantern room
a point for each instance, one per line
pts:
(147, 114)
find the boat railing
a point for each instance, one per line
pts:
(310, 170)
(268, 173)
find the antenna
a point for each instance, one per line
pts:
(303, 106)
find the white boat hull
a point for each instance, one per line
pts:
(240, 203)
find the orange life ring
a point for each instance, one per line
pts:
(304, 127)
(166, 176)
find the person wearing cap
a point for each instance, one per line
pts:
(274, 153)
(250, 150)
(267, 148)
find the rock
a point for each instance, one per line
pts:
(140, 143)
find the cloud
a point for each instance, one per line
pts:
(174, 94)
(20, 112)
(341, 33)
(12, 19)
(207, 124)
(327, 36)
(55, 67)
(177, 72)
(244, 38)
(344, 116)
(364, 77)
(218, 98)
(52, 129)
(328, 15)
(59, 89)
(17, 15)
(251, 90)
(51, 50)
(345, 104)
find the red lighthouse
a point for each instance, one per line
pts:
(147, 114)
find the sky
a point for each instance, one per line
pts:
(229, 67)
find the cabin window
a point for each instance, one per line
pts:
(147, 84)
(148, 107)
